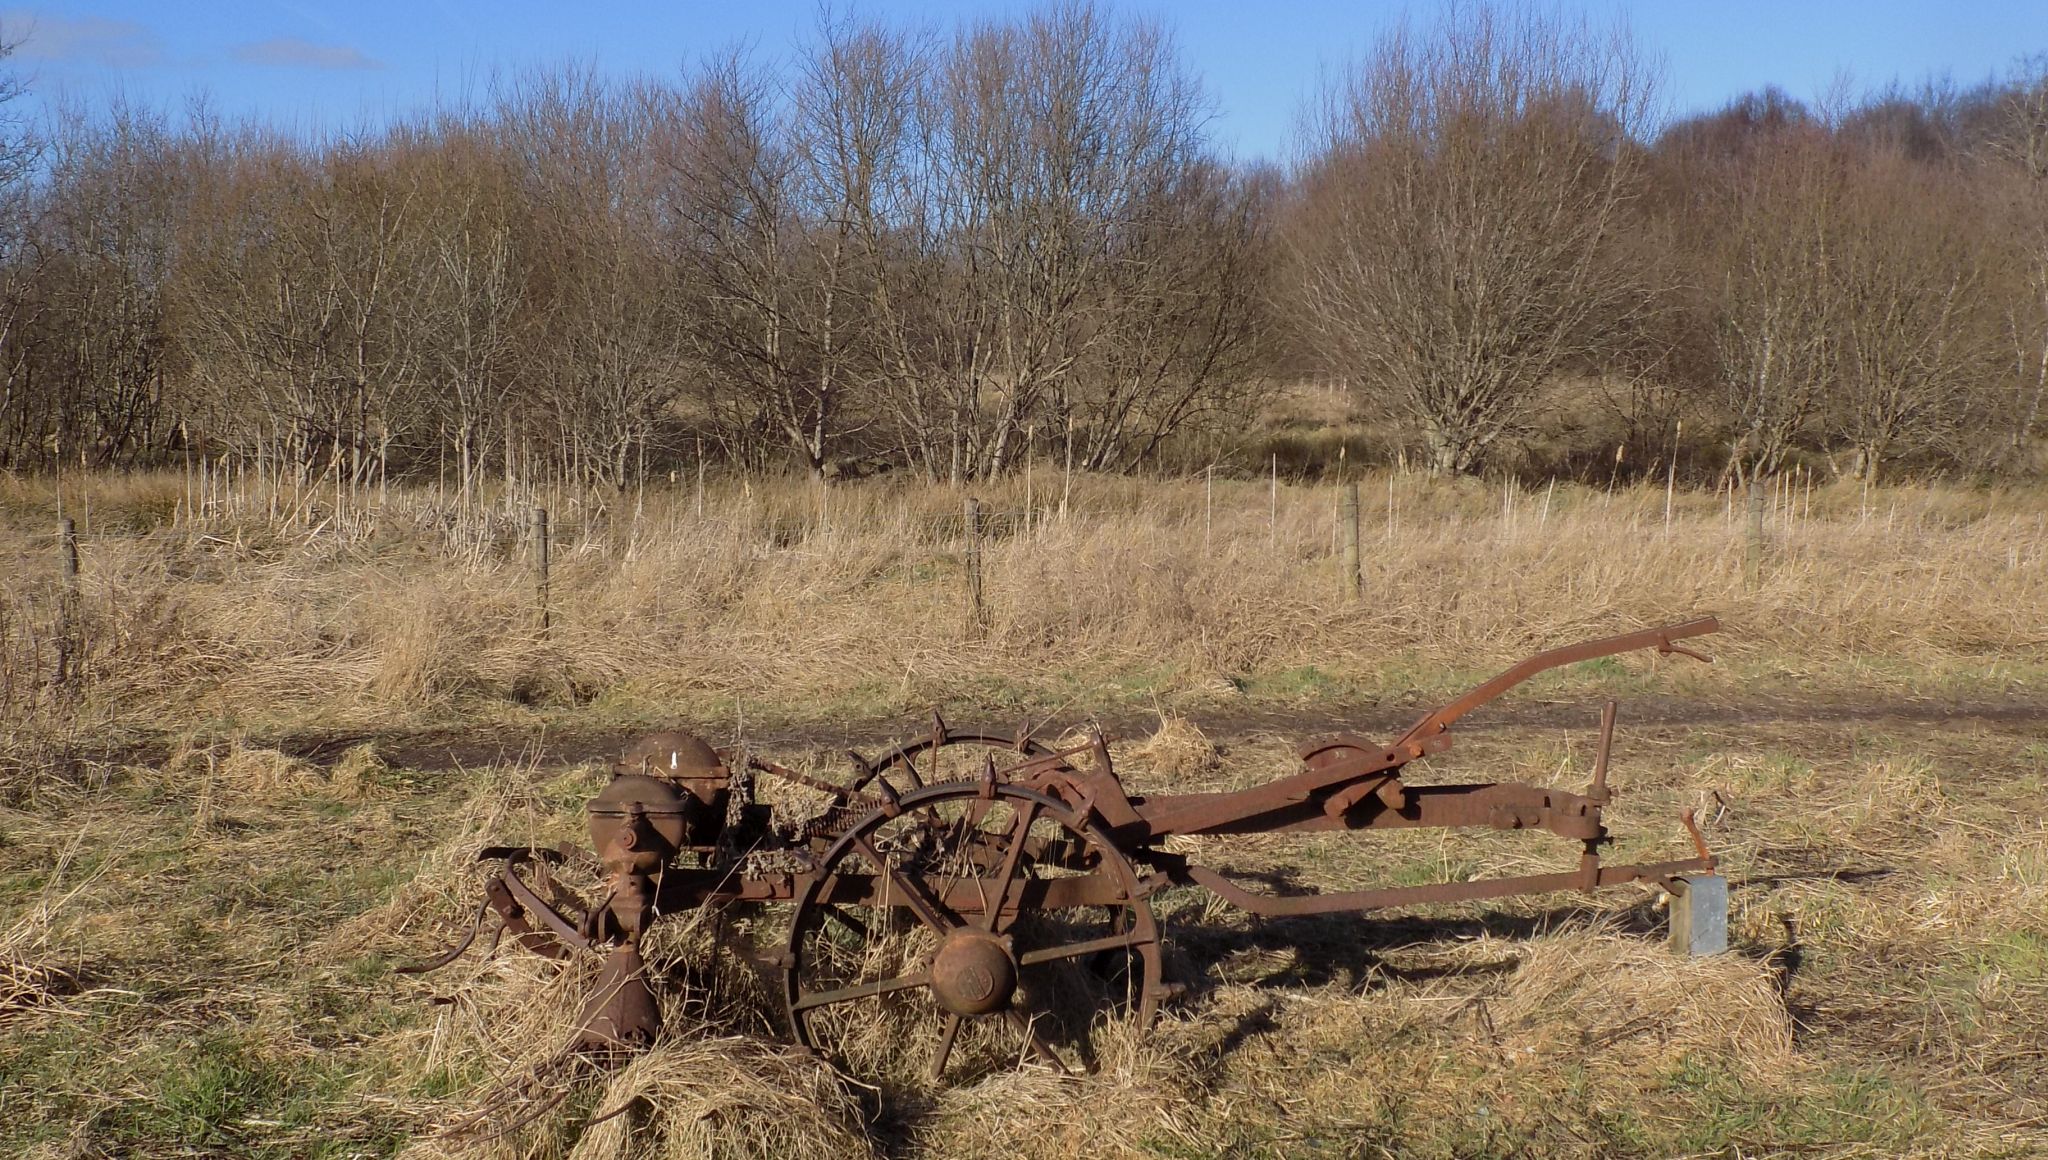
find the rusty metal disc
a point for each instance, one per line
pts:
(635, 802)
(973, 973)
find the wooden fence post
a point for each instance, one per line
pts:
(977, 607)
(1208, 505)
(1273, 507)
(1753, 546)
(538, 540)
(1347, 527)
(67, 605)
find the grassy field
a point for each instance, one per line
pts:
(291, 721)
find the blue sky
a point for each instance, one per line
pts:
(308, 64)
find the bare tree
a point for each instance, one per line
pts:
(1046, 145)
(1907, 281)
(20, 145)
(113, 205)
(2017, 134)
(1184, 321)
(463, 307)
(1462, 198)
(2014, 193)
(292, 304)
(602, 340)
(736, 235)
(852, 117)
(1772, 313)
(24, 414)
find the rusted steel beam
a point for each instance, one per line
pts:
(1201, 813)
(1360, 900)
(1331, 765)
(1489, 805)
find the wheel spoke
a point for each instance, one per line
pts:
(991, 915)
(953, 1022)
(1075, 950)
(1038, 1045)
(920, 903)
(839, 915)
(862, 991)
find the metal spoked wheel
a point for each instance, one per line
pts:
(972, 924)
(944, 755)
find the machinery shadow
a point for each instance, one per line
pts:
(1355, 950)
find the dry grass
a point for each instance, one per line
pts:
(31, 979)
(196, 935)
(1885, 996)
(797, 601)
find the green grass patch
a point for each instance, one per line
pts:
(1848, 1106)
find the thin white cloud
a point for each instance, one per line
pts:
(291, 52)
(91, 40)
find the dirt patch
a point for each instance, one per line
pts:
(451, 748)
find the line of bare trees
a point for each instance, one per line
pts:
(948, 253)
(1487, 236)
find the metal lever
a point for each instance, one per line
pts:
(1598, 790)
(1699, 841)
(1666, 648)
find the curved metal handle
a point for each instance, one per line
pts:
(1657, 638)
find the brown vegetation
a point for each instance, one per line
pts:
(779, 600)
(955, 254)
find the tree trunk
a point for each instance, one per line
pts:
(1450, 452)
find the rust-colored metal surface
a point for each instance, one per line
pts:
(991, 884)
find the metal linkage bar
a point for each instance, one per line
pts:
(1362, 900)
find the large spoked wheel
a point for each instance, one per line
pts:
(943, 755)
(973, 924)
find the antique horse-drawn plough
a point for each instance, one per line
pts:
(979, 894)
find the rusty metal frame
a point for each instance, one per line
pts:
(1344, 783)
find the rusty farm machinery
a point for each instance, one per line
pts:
(997, 888)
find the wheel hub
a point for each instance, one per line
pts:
(972, 973)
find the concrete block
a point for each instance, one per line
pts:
(1699, 915)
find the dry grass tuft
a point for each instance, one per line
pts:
(30, 980)
(236, 771)
(429, 641)
(701, 1092)
(253, 769)
(1623, 1005)
(29, 986)
(440, 897)
(703, 1097)
(1177, 750)
(1137, 1102)
(359, 773)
